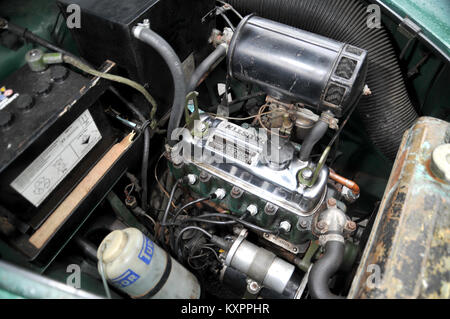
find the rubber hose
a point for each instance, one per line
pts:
(207, 64)
(317, 132)
(388, 111)
(173, 62)
(323, 269)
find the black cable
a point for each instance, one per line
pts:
(144, 169)
(228, 21)
(146, 150)
(175, 216)
(355, 104)
(246, 98)
(235, 219)
(232, 9)
(30, 36)
(128, 104)
(180, 234)
(208, 221)
(166, 212)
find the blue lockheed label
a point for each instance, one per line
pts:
(146, 252)
(126, 279)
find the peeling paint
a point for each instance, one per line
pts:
(410, 240)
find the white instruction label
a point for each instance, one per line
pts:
(42, 176)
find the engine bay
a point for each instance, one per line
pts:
(223, 150)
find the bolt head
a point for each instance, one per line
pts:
(350, 225)
(321, 225)
(253, 287)
(331, 202)
(236, 192)
(307, 173)
(204, 176)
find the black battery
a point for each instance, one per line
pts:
(52, 131)
(105, 33)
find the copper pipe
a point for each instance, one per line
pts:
(344, 181)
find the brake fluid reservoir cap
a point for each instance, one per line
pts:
(114, 244)
(440, 162)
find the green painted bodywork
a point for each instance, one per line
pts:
(431, 15)
(428, 89)
(18, 283)
(38, 16)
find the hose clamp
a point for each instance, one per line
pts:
(323, 239)
(235, 246)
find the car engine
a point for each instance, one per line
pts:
(223, 150)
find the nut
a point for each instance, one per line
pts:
(270, 209)
(236, 192)
(331, 202)
(204, 176)
(321, 225)
(350, 225)
(253, 287)
(130, 201)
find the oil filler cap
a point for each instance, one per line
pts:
(115, 243)
(440, 162)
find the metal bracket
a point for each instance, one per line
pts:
(305, 263)
(408, 28)
(195, 116)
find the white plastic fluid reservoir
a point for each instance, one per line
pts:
(136, 265)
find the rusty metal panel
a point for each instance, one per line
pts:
(408, 252)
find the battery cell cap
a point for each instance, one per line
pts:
(42, 88)
(24, 102)
(6, 118)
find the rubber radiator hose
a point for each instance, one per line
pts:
(324, 269)
(173, 62)
(202, 70)
(388, 111)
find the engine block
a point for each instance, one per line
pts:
(256, 171)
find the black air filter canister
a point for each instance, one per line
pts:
(294, 66)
